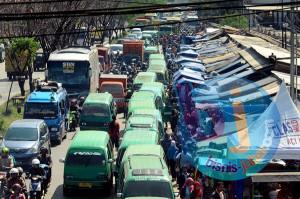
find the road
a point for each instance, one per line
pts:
(5, 84)
(55, 189)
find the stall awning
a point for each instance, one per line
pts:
(275, 177)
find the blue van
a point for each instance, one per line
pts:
(50, 103)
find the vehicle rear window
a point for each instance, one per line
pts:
(148, 189)
(112, 89)
(85, 158)
(93, 110)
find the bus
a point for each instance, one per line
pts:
(77, 68)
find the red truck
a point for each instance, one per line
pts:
(134, 48)
(117, 86)
(104, 58)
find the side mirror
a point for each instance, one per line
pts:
(119, 195)
(62, 160)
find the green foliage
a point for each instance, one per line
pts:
(240, 22)
(8, 117)
(24, 46)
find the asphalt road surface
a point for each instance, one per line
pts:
(5, 84)
(55, 189)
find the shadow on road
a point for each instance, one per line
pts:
(58, 194)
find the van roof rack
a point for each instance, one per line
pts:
(50, 86)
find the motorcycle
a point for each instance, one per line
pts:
(35, 187)
(72, 121)
(46, 168)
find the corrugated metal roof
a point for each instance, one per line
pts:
(254, 59)
(219, 58)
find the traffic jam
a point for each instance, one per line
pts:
(184, 111)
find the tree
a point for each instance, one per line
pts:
(21, 54)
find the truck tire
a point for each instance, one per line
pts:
(66, 191)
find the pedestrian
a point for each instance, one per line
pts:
(219, 192)
(166, 142)
(114, 132)
(198, 191)
(171, 156)
(187, 189)
(174, 120)
(183, 175)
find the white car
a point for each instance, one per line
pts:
(138, 32)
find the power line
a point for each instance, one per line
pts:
(95, 12)
(140, 26)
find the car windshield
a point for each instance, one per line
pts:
(113, 89)
(21, 134)
(95, 110)
(40, 110)
(69, 73)
(85, 158)
(148, 189)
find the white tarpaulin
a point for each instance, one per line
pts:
(274, 135)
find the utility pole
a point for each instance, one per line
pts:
(292, 66)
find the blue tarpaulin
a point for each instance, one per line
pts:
(188, 53)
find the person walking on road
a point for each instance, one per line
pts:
(171, 156)
(114, 132)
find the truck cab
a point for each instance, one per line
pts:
(116, 85)
(50, 103)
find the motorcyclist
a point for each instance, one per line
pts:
(15, 179)
(81, 101)
(46, 159)
(6, 160)
(74, 108)
(17, 192)
(37, 171)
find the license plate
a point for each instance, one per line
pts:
(85, 185)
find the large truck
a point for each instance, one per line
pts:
(133, 49)
(104, 56)
(16, 68)
(117, 86)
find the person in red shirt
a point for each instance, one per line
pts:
(114, 132)
(17, 192)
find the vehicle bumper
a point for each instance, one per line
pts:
(55, 135)
(85, 185)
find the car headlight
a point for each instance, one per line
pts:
(33, 150)
(54, 129)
